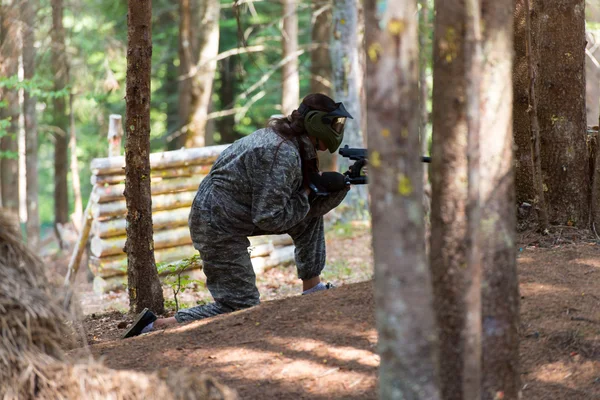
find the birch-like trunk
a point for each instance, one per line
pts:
(347, 57)
(290, 79)
(28, 18)
(403, 293)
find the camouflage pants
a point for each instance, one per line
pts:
(226, 262)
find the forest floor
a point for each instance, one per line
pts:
(323, 346)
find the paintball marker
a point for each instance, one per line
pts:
(354, 174)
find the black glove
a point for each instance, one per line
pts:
(327, 182)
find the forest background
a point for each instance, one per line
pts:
(246, 84)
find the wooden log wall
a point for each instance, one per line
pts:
(175, 176)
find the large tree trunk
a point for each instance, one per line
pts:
(203, 72)
(9, 61)
(347, 48)
(403, 293)
(500, 289)
(290, 80)
(142, 277)
(61, 145)
(449, 191)
(28, 16)
(320, 63)
(558, 50)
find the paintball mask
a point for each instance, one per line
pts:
(327, 126)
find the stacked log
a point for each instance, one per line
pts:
(175, 176)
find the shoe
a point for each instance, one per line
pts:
(319, 289)
(145, 318)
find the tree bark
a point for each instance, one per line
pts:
(290, 80)
(10, 43)
(28, 16)
(320, 63)
(320, 60)
(226, 125)
(472, 351)
(535, 127)
(187, 61)
(558, 51)
(142, 277)
(203, 72)
(347, 47)
(500, 289)
(449, 179)
(403, 293)
(524, 168)
(60, 69)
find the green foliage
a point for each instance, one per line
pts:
(175, 279)
(96, 46)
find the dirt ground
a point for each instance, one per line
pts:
(323, 346)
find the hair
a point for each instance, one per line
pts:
(293, 126)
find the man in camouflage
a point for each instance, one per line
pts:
(258, 186)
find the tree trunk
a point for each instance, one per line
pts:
(187, 61)
(203, 75)
(348, 79)
(226, 125)
(403, 294)
(28, 15)
(290, 80)
(500, 289)
(524, 172)
(61, 145)
(535, 127)
(449, 191)
(558, 50)
(9, 149)
(320, 63)
(142, 277)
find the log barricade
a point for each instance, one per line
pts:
(175, 176)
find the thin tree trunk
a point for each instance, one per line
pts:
(142, 277)
(347, 47)
(403, 293)
(449, 179)
(226, 125)
(78, 213)
(28, 16)
(424, 30)
(61, 145)
(320, 63)
(204, 71)
(9, 145)
(290, 86)
(500, 289)
(187, 61)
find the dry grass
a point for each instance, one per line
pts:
(35, 331)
